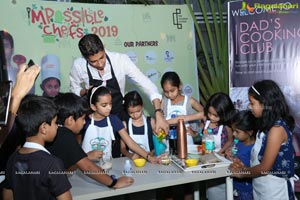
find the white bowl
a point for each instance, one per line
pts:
(193, 151)
(192, 148)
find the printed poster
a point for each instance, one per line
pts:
(157, 38)
(264, 43)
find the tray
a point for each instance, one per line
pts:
(223, 162)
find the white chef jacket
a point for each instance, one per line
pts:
(122, 66)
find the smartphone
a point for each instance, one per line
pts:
(5, 95)
(30, 63)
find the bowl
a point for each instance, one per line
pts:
(194, 151)
(194, 155)
(165, 160)
(139, 162)
(191, 162)
(194, 148)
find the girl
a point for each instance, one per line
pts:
(50, 87)
(219, 111)
(101, 128)
(272, 163)
(139, 127)
(175, 103)
(243, 126)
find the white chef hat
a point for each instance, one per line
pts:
(50, 67)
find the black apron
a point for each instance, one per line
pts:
(113, 85)
(117, 102)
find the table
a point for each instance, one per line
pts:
(151, 176)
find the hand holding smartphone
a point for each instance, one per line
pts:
(30, 64)
(5, 95)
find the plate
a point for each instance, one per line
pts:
(222, 162)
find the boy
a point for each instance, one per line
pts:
(71, 118)
(28, 171)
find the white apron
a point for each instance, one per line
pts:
(141, 140)
(99, 138)
(269, 186)
(179, 110)
(217, 138)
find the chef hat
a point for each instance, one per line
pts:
(50, 67)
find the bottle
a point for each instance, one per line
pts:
(173, 138)
(203, 141)
(209, 142)
(166, 145)
(181, 140)
(198, 138)
(127, 168)
(234, 148)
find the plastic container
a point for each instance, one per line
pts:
(159, 147)
(234, 148)
(205, 132)
(198, 138)
(209, 142)
(128, 168)
(173, 138)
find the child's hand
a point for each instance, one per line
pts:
(191, 132)
(154, 159)
(95, 155)
(124, 181)
(228, 154)
(221, 153)
(238, 168)
(135, 156)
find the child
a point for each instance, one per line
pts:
(174, 103)
(219, 111)
(71, 118)
(101, 127)
(272, 157)
(181, 105)
(29, 169)
(50, 75)
(50, 87)
(139, 127)
(243, 126)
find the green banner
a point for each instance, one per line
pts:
(157, 38)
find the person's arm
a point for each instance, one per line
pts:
(160, 121)
(199, 115)
(229, 141)
(24, 82)
(135, 147)
(126, 153)
(65, 196)
(96, 173)
(124, 150)
(95, 155)
(7, 194)
(276, 137)
(152, 124)
(134, 73)
(77, 77)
